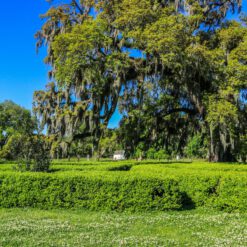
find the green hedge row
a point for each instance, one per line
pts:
(228, 192)
(123, 193)
(46, 191)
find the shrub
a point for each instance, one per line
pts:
(151, 153)
(114, 186)
(95, 193)
(138, 153)
(231, 194)
(196, 147)
(30, 152)
(161, 154)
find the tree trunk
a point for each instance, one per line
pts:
(219, 151)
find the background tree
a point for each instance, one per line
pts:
(14, 119)
(188, 69)
(30, 152)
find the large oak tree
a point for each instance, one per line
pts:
(158, 58)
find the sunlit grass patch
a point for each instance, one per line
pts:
(32, 227)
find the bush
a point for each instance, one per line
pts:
(30, 152)
(39, 158)
(161, 154)
(196, 147)
(127, 186)
(138, 154)
(151, 153)
(47, 191)
(231, 194)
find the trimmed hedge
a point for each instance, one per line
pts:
(227, 193)
(231, 194)
(125, 186)
(47, 191)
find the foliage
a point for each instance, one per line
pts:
(151, 153)
(195, 147)
(187, 74)
(138, 154)
(46, 191)
(30, 152)
(14, 119)
(108, 143)
(161, 154)
(125, 185)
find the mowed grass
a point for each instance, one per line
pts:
(33, 227)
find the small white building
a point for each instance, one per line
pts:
(119, 155)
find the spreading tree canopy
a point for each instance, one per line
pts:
(14, 119)
(172, 68)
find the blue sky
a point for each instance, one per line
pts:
(22, 71)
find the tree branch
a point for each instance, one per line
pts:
(78, 7)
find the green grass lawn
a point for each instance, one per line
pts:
(33, 227)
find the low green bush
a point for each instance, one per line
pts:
(161, 154)
(95, 193)
(125, 185)
(231, 194)
(29, 150)
(226, 193)
(151, 153)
